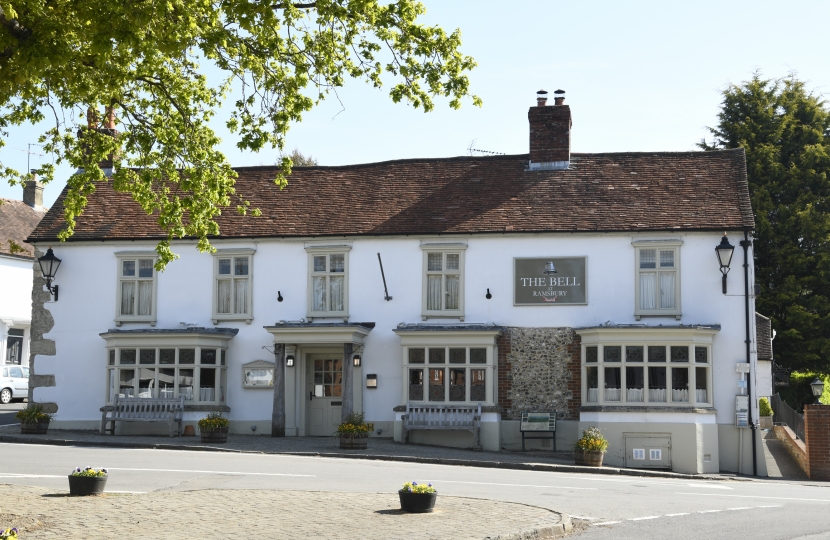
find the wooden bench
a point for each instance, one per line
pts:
(458, 417)
(129, 409)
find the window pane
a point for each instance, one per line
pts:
(147, 356)
(453, 291)
(613, 384)
(166, 383)
(207, 384)
(434, 262)
(667, 290)
(416, 356)
(337, 292)
(436, 385)
(453, 261)
(701, 385)
(679, 354)
(634, 384)
(222, 357)
(337, 263)
(145, 268)
(112, 357)
(434, 293)
(656, 354)
(458, 356)
(667, 258)
(240, 266)
(478, 356)
(612, 353)
(208, 356)
(145, 298)
(416, 384)
(592, 378)
(701, 355)
(657, 384)
(127, 356)
(633, 354)
(111, 393)
(224, 267)
(478, 389)
(127, 297)
(146, 382)
(648, 258)
(436, 356)
(186, 383)
(223, 296)
(167, 356)
(240, 296)
(648, 291)
(318, 299)
(591, 354)
(319, 263)
(126, 383)
(187, 356)
(680, 385)
(128, 268)
(458, 386)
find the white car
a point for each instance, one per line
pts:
(14, 383)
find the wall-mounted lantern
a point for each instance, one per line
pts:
(371, 381)
(724, 252)
(356, 360)
(49, 267)
(289, 360)
(817, 386)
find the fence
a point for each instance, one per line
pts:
(784, 414)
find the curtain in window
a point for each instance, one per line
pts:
(667, 290)
(453, 283)
(145, 298)
(223, 296)
(434, 293)
(337, 290)
(319, 294)
(127, 297)
(647, 291)
(241, 295)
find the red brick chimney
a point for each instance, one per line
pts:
(93, 122)
(550, 133)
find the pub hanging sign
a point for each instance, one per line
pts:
(549, 281)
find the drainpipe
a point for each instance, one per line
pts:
(745, 243)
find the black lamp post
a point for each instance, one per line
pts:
(49, 267)
(724, 252)
(817, 386)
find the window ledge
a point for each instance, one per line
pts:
(484, 408)
(676, 314)
(649, 409)
(221, 318)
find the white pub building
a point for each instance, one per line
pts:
(585, 285)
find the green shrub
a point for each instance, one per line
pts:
(764, 408)
(33, 414)
(799, 393)
(212, 422)
(592, 439)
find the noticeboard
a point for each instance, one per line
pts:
(538, 421)
(549, 281)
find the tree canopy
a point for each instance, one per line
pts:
(99, 68)
(785, 130)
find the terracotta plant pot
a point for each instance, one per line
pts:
(357, 441)
(417, 503)
(589, 458)
(87, 485)
(34, 429)
(218, 435)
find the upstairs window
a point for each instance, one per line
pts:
(328, 282)
(232, 292)
(443, 284)
(657, 279)
(136, 295)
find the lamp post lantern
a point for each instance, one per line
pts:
(49, 267)
(724, 252)
(817, 386)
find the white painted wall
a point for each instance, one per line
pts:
(15, 301)
(87, 305)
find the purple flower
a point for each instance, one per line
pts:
(430, 485)
(414, 483)
(14, 530)
(78, 469)
(105, 471)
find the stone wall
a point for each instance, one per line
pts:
(817, 433)
(42, 323)
(539, 370)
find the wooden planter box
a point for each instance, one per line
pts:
(765, 422)
(87, 485)
(218, 435)
(34, 429)
(589, 458)
(417, 503)
(358, 441)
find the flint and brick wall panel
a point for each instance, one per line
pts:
(817, 435)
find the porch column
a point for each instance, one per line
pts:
(348, 391)
(278, 411)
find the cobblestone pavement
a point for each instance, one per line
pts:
(379, 448)
(266, 514)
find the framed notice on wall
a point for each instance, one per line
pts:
(549, 281)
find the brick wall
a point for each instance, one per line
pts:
(550, 133)
(795, 446)
(817, 433)
(505, 378)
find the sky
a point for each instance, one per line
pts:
(638, 76)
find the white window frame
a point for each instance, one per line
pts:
(317, 251)
(445, 249)
(658, 246)
(121, 257)
(249, 307)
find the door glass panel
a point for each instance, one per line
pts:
(328, 378)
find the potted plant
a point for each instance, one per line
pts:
(765, 413)
(33, 420)
(417, 498)
(354, 432)
(214, 428)
(87, 481)
(8, 534)
(590, 449)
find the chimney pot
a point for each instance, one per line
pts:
(541, 98)
(550, 133)
(559, 97)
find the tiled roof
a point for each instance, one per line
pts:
(654, 191)
(763, 337)
(17, 221)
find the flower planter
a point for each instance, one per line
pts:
(417, 503)
(765, 422)
(218, 435)
(357, 441)
(589, 458)
(87, 485)
(34, 429)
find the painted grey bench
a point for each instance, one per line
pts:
(449, 417)
(129, 409)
